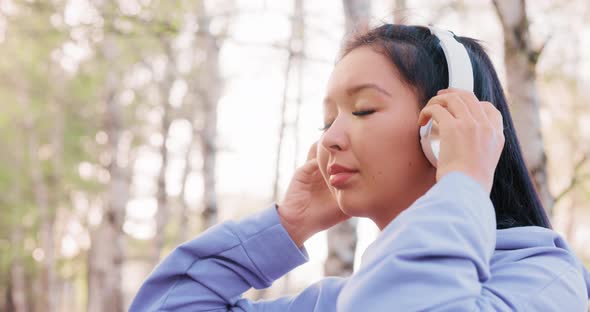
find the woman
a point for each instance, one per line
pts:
(470, 234)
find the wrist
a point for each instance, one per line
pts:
(298, 233)
(481, 179)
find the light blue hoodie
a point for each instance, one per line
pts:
(443, 253)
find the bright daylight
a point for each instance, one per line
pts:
(294, 155)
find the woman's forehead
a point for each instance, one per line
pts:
(362, 69)
(355, 89)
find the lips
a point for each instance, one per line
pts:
(336, 168)
(339, 174)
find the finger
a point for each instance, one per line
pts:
(473, 104)
(311, 153)
(454, 103)
(310, 166)
(493, 115)
(438, 113)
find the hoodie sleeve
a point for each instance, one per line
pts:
(435, 256)
(212, 271)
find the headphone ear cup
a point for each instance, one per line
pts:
(430, 142)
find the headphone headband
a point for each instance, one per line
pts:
(458, 62)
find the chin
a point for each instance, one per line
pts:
(353, 208)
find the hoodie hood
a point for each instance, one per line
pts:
(534, 237)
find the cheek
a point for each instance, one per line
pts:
(387, 150)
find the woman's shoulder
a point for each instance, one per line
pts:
(538, 260)
(521, 237)
(543, 244)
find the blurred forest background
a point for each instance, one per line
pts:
(130, 126)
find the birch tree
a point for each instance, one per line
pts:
(520, 58)
(106, 255)
(163, 211)
(208, 86)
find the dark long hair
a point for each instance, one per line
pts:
(421, 63)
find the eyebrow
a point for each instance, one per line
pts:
(356, 89)
(352, 90)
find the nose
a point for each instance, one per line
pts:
(335, 138)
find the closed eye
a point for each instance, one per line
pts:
(357, 113)
(324, 128)
(363, 113)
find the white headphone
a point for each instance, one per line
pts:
(460, 77)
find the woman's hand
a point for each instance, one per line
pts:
(308, 206)
(471, 134)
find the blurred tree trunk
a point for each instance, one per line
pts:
(18, 289)
(163, 211)
(18, 292)
(106, 254)
(521, 58)
(188, 112)
(356, 14)
(573, 192)
(294, 53)
(294, 59)
(399, 11)
(342, 238)
(183, 214)
(55, 178)
(299, 35)
(282, 126)
(208, 86)
(47, 287)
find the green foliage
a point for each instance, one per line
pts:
(40, 98)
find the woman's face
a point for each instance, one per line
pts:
(373, 130)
